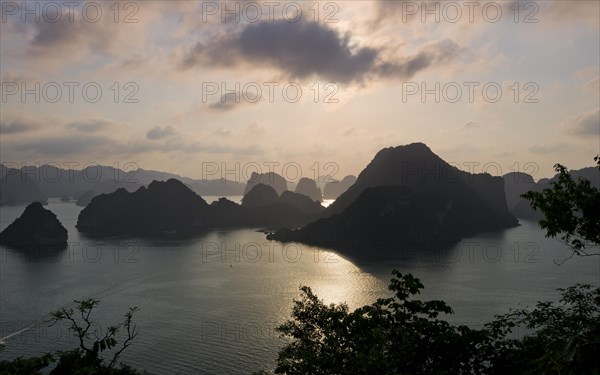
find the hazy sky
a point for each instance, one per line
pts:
(518, 84)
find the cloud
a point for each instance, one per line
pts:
(548, 148)
(66, 145)
(18, 77)
(460, 149)
(593, 85)
(222, 132)
(160, 133)
(233, 150)
(87, 140)
(255, 129)
(228, 102)
(188, 147)
(441, 52)
(470, 126)
(305, 49)
(581, 12)
(15, 126)
(70, 34)
(585, 124)
(394, 10)
(551, 13)
(65, 34)
(89, 126)
(301, 49)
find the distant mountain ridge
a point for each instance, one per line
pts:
(521, 183)
(50, 181)
(17, 187)
(38, 183)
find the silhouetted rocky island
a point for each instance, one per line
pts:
(408, 193)
(334, 189)
(518, 183)
(308, 187)
(36, 227)
(301, 202)
(262, 207)
(272, 179)
(172, 208)
(259, 196)
(162, 207)
(104, 187)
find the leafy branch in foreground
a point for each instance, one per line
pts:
(87, 359)
(91, 352)
(571, 209)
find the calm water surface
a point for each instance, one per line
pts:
(210, 305)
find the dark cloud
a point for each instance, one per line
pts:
(55, 34)
(89, 126)
(304, 49)
(15, 126)
(432, 54)
(585, 124)
(227, 103)
(58, 38)
(232, 100)
(61, 33)
(160, 133)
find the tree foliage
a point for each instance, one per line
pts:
(24, 366)
(571, 209)
(404, 335)
(564, 337)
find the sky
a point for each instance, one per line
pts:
(212, 89)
